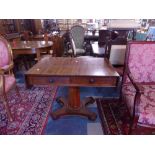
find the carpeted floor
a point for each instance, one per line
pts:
(75, 125)
(115, 119)
(31, 114)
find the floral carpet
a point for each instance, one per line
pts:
(115, 119)
(30, 114)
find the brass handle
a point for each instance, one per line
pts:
(51, 81)
(92, 80)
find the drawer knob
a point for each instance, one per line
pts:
(51, 81)
(92, 80)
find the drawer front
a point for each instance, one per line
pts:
(48, 80)
(72, 81)
(94, 81)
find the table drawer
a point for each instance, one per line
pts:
(94, 81)
(48, 80)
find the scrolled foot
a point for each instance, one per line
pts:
(92, 117)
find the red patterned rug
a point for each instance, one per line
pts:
(115, 119)
(31, 114)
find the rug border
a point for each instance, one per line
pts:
(43, 129)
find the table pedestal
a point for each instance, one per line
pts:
(73, 106)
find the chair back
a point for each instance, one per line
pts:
(58, 45)
(140, 60)
(77, 33)
(73, 46)
(26, 36)
(104, 35)
(6, 57)
(117, 50)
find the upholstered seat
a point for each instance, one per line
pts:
(138, 89)
(146, 111)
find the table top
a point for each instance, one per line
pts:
(30, 44)
(67, 66)
(40, 36)
(12, 36)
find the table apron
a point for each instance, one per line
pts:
(71, 81)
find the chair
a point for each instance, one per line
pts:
(26, 36)
(77, 34)
(7, 79)
(99, 48)
(138, 86)
(104, 35)
(116, 53)
(58, 45)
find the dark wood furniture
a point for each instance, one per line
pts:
(58, 43)
(117, 41)
(138, 86)
(30, 47)
(98, 51)
(104, 35)
(124, 27)
(40, 37)
(91, 37)
(12, 36)
(72, 72)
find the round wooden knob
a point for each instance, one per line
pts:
(91, 80)
(51, 81)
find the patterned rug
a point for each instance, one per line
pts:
(30, 115)
(115, 119)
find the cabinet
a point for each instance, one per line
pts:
(9, 26)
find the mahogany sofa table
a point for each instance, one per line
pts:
(72, 72)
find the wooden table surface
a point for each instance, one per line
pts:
(30, 44)
(68, 66)
(72, 72)
(30, 47)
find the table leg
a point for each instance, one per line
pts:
(134, 35)
(38, 54)
(73, 106)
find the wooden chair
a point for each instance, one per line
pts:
(58, 45)
(104, 35)
(99, 48)
(26, 35)
(138, 86)
(116, 53)
(7, 79)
